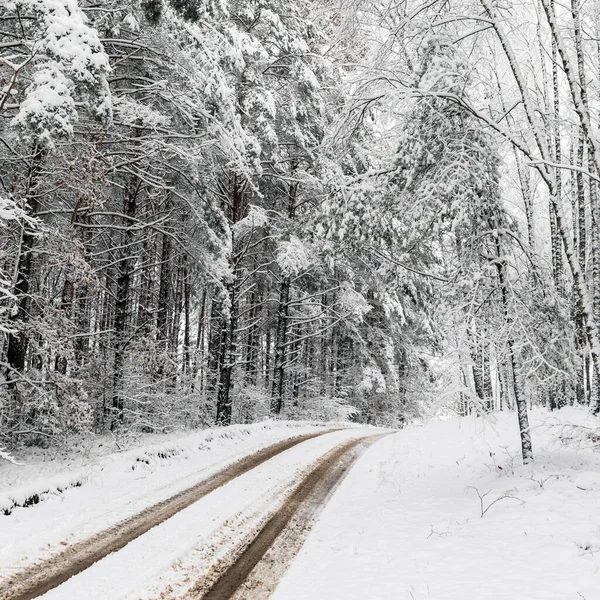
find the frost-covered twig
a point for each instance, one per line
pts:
(503, 496)
(541, 482)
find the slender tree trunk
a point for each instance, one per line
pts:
(477, 371)
(164, 295)
(593, 199)
(557, 263)
(283, 318)
(280, 347)
(581, 254)
(187, 355)
(199, 366)
(230, 341)
(228, 360)
(480, 359)
(18, 342)
(524, 182)
(299, 344)
(267, 354)
(323, 351)
(122, 305)
(488, 394)
(66, 307)
(500, 264)
(177, 312)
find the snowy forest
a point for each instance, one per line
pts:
(218, 211)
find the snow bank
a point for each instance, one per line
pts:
(447, 511)
(29, 495)
(151, 456)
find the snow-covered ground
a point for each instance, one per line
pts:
(87, 491)
(443, 511)
(446, 511)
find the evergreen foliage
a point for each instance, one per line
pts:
(234, 209)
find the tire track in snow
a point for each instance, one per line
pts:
(48, 574)
(256, 569)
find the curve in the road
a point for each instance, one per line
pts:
(42, 577)
(306, 500)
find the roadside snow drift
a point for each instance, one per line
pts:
(447, 512)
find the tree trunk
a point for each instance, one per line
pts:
(177, 312)
(557, 266)
(228, 360)
(187, 355)
(593, 200)
(66, 305)
(198, 366)
(16, 354)
(280, 347)
(122, 305)
(500, 264)
(229, 353)
(164, 289)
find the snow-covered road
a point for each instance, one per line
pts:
(199, 535)
(182, 551)
(99, 492)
